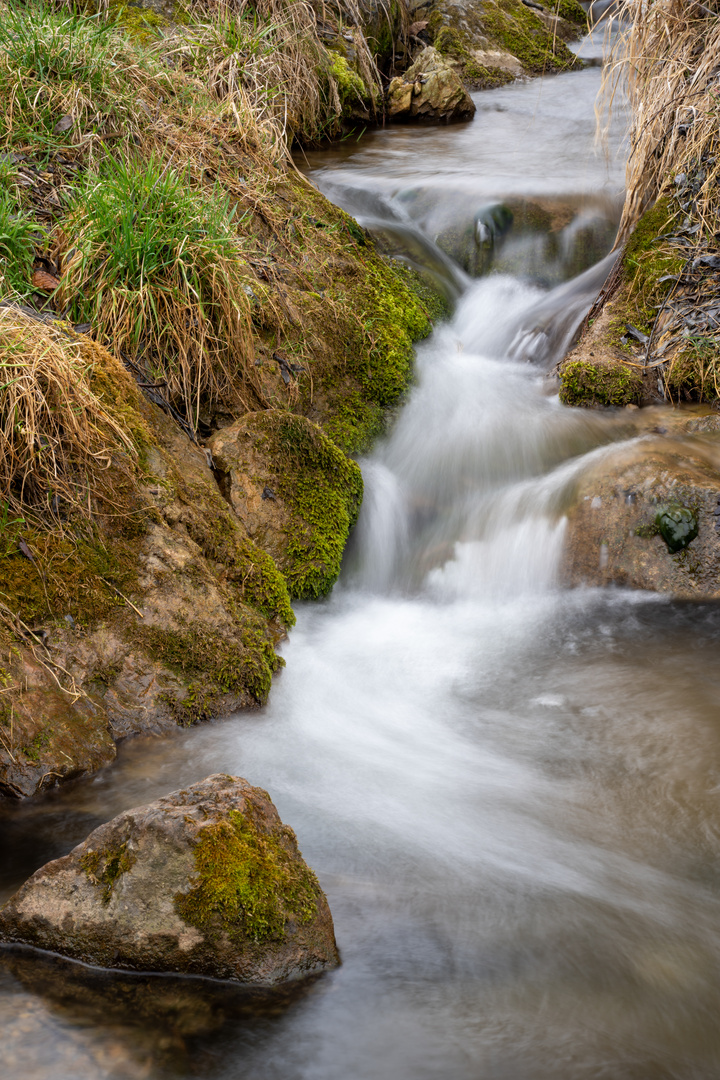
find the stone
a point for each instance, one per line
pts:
(206, 881)
(429, 90)
(643, 517)
(678, 526)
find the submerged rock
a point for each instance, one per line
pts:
(429, 90)
(205, 881)
(678, 526)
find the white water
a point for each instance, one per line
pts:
(509, 791)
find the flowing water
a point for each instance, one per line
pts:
(510, 791)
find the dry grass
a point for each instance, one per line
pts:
(57, 439)
(267, 62)
(668, 57)
(668, 54)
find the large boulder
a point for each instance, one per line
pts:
(647, 516)
(429, 90)
(205, 881)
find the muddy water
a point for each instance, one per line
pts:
(510, 792)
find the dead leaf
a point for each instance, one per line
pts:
(416, 27)
(63, 125)
(44, 281)
(25, 550)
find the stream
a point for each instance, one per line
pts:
(510, 791)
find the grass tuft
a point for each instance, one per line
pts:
(158, 272)
(57, 438)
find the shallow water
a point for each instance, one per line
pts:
(510, 792)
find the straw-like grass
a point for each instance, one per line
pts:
(57, 438)
(266, 60)
(668, 56)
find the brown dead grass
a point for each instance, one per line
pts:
(57, 438)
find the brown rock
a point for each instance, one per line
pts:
(611, 527)
(429, 90)
(205, 881)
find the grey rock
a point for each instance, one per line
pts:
(204, 881)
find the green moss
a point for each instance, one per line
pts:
(70, 575)
(351, 89)
(323, 489)
(360, 315)
(484, 78)
(583, 383)
(248, 883)
(355, 422)
(518, 29)
(394, 320)
(34, 749)
(648, 530)
(105, 867)
(646, 256)
(247, 569)
(452, 42)
(646, 259)
(568, 9)
(225, 666)
(456, 44)
(142, 24)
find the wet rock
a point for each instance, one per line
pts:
(635, 513)
(204, 881)
(678, 526)
(184, 643)
(429, 90)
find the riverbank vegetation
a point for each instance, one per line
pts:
(659, 316)
(164, 269)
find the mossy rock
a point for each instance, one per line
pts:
(206, 881)
(678, 526)
(584, 383)
(296, 492)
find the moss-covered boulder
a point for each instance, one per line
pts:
(493, 42)
(605, 382)
(296, 493)
(205, 881)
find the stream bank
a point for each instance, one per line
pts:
(166, 272)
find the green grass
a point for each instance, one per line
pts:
(52, 65)
(157, 269)
(18, 236)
